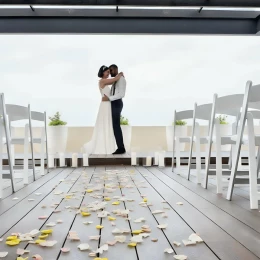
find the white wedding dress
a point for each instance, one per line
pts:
(103, 139)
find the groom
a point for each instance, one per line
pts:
(117, 93)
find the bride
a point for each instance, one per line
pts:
(103, 139)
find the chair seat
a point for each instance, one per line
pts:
(184, 139)
(245, 139)
(203, 139)
(20, 140)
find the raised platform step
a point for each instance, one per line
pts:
(125, 159)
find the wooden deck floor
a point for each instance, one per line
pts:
(230, 230)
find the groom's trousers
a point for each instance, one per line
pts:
(117, 106)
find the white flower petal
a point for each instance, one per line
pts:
(168, 250)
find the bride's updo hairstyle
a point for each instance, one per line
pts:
(102, 70)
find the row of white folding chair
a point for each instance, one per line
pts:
(227, 105)
(230, 105)
(251, 99)
(13, 113)
(181, 115)
(202, 112)
(42, 139)
(5, 138)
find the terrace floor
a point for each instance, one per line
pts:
(229, 229)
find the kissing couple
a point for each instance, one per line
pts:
(107, 132)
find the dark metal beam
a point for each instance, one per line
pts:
(225, 3)
(128, 12)
(258, 25)
(198, 3)
(128, 26)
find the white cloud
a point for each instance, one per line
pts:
(59, 72)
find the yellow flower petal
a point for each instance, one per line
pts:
(137, 232)
(145, 200)
(116, 203)
(11, 238)
(13, 242)
(43, 236)
(47, 231)
(111, 218)
(68, 197)
(89, 191)
(99, 227)
(21, 258)
(98, 258)
(132, 244)
(107, 199)
(38, 241)
(85, 214)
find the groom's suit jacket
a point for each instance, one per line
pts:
(120, 88)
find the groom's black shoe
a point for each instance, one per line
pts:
(119, 151)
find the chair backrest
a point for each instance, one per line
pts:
(182, 115)
(203, 112)
(16, 112)
(254, 94)
(229, 105)
(38, 116)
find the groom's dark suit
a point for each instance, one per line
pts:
(117, 93)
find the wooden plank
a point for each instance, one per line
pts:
(83, 231)
(12, 216)
(7, 203)
(60, 232)
(120, 249)
(147, 249)
(177, 229)
(31, 221)
(231, 208)
(195, 211)
(18, 184)
(240, 196)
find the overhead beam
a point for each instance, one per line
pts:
(128, 26)
(127, 12)
(258, 25)
(198, 3)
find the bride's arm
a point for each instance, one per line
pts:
(104, 82)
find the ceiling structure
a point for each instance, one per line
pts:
(235, 17)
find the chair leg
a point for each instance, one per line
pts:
(42, 154)
(198, 155)
(230, 157)
(178, 155)
(13, 154)
(218, 168)
(190, 157)
(252, 164)
(207, 164)
(218, 158)
(26, 158)
(1, 164)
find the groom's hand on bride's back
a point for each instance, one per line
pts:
(105, 98)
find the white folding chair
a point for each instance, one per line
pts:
(5, 140)
(201, 112)
(17, 113)
(251, 100)
(42, 140)
(227, 105)
(181, 115)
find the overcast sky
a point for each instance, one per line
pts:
(163, 73)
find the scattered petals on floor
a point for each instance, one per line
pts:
(101, 189)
